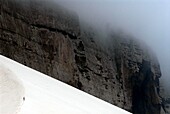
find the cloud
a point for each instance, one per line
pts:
(146, 20)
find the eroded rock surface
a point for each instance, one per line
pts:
(51, 40)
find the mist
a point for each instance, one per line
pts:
(146, 20)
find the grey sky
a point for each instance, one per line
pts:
(148, 20)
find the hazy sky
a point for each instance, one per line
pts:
(148, 20)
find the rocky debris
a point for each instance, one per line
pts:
(51, 40)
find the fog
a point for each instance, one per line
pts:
(147, 20)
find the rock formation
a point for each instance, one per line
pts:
(164, 92)
(51, 39)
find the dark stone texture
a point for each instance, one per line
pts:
(51, 40)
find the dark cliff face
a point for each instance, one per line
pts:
(165, 99)
(51, 40)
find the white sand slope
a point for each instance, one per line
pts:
(11, 92)
(45, 95)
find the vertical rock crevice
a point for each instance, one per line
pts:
(145, 99)
(51, 40)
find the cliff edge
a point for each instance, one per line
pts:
(50, 39)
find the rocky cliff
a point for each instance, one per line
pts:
(50, 39)
(164, 92)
